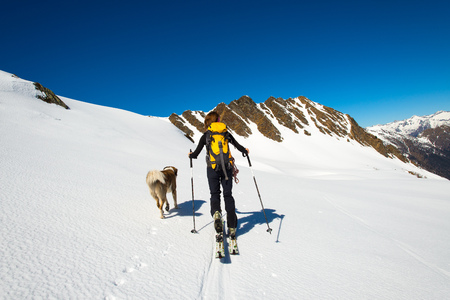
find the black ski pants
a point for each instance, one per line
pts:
(215, 180)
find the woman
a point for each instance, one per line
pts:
(216, 178)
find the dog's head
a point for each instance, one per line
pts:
(175, 170)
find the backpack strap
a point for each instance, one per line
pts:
(222, 160)
(208, 146)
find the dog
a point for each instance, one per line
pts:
(160, 183)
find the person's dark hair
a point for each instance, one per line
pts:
(210, 118)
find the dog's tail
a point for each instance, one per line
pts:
(154, 176)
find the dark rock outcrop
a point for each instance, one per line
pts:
(248, 110)
(48, 96)
(180, 124)
(234, 121)
(283, 110)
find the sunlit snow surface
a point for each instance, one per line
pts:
(78, 222)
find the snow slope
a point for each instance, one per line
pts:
(77, 220)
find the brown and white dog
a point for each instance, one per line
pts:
(160, 183)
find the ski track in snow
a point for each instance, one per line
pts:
(214, 282)
(406, 248)
(216, 279)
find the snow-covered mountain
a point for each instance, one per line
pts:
(424, 140)
(414, 125)
(273, 117)
(77, 220)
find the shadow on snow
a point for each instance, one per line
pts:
(185, 209)
(246, 220)
(251, 219)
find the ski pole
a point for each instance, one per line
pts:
(193, 205)
(269, 230)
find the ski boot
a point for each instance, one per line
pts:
(218, 224)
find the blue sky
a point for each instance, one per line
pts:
(376, 60)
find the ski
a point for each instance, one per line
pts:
(232, 246)
(219, 224)
(220, 249)
(232, 242)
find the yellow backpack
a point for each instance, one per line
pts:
(218, 147)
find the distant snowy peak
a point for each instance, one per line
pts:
(424, 140)
(414, 125)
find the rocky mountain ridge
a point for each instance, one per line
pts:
(299, 115)
(424, 140)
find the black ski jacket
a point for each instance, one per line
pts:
(202, 143)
